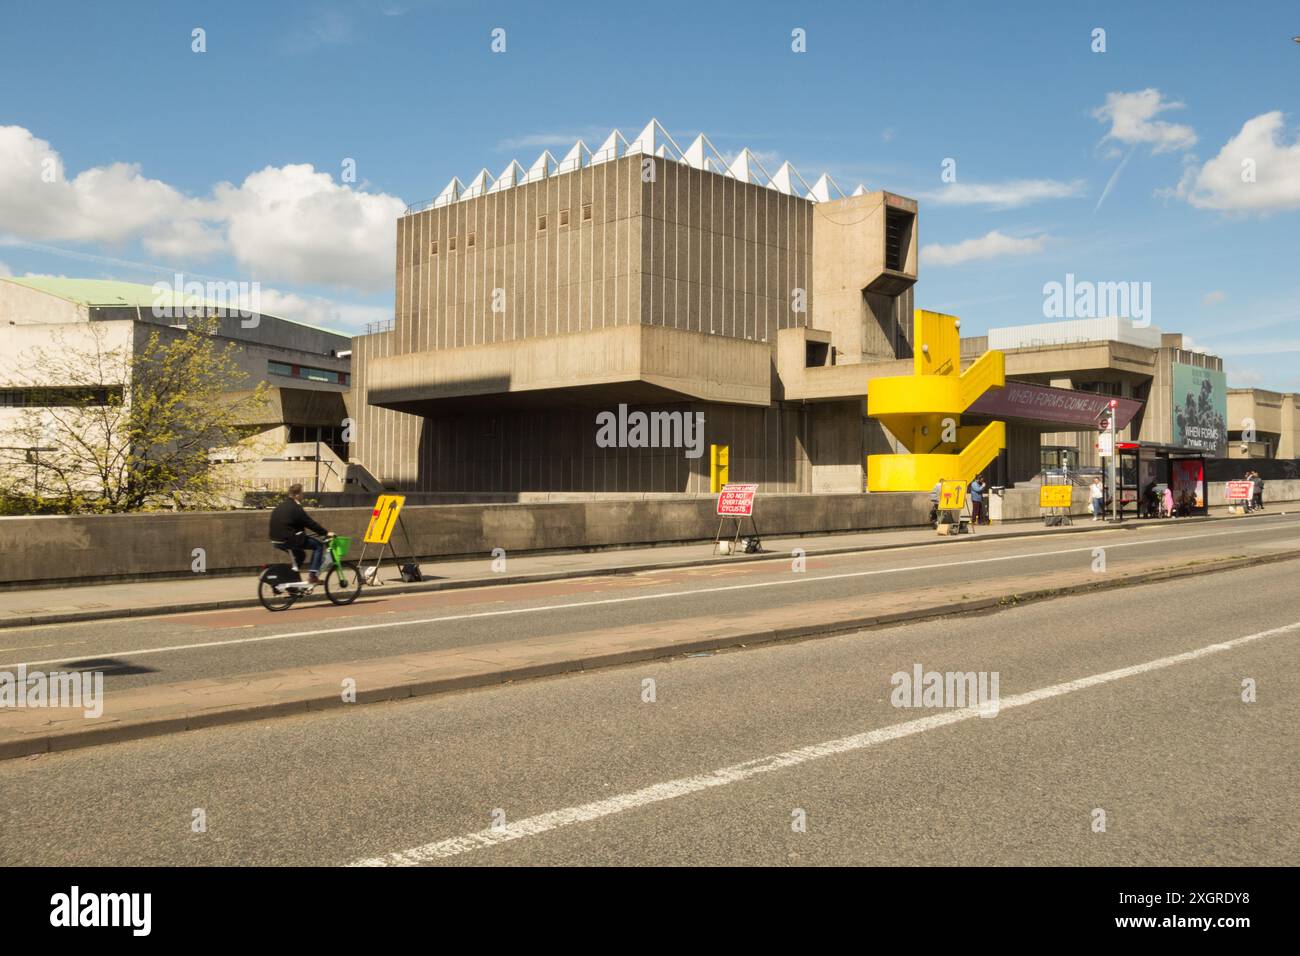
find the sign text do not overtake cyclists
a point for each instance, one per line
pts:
(736, 500)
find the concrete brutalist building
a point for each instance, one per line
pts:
(644, 275)
(306, 367)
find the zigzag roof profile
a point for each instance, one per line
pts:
(543, 166)
(512, 175)
(654, 140)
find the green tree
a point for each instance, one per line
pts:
(129, 426)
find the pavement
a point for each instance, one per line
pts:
(1122, 739)
(175, 672)
(29, 607)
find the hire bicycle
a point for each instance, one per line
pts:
(280, 585)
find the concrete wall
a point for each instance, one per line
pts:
(554, 450)
(706, 263)
(1275, 492)
(565, 278)
(1274, 417)
(20, 305)
(107, 546)
(25, 348)
(722, 256)
(1021, 504)
(849, 258)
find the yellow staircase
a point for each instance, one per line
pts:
(923, 411)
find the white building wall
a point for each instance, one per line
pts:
(1072, 331)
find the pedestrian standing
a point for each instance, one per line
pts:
(1097, 498)
(1169, 502)
(934, 503)
(977, 488)
(1258, 501)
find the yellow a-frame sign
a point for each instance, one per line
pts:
(384, 518)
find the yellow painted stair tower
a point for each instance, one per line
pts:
(923, 411)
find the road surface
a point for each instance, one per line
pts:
(181, 647)
(717, 768)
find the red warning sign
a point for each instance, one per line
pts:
(737, 501)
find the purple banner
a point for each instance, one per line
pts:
(1052, 406)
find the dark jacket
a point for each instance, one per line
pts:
(288, 520)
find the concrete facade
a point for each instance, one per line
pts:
(41, 318)
(524, 313)
(1127, 365)
(1263, 424)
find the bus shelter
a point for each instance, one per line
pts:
(1145, 469)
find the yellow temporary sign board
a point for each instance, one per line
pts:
(719, 467)
(384, 518)
(1055, 496)
(952, 495)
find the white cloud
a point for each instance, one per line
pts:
(186, 238)
(282, 224)
(324, 29)
(1258, 151)
(591, 135)
(992, 245)
(295, 224)
(1214, 297)
(1265, 347)
(5, 270)
(104, 204)
(1132, 120)
(1005, 195)
(313, 310)
(1243, 377)
(1114, 178)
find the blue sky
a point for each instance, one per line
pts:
(228, 163)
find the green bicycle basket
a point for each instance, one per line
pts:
(339, 547)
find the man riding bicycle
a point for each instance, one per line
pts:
(289, 527)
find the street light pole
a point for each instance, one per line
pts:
(33, 453)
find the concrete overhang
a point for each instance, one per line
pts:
(293, 406)
(891, 282)
(1060, 361)
(637, 364)
(802, 382)
(833, 383)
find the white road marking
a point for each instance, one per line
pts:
(736, 773)
(627, 599)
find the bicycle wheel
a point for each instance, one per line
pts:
(272, 599)
(343, 583)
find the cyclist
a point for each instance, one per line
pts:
(289, 527)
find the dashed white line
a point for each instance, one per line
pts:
(736, 773)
